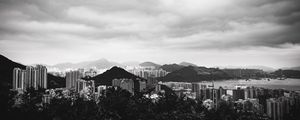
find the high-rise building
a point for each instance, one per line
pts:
(214, 95)
(16, 78)
(127, 84)
(151, 82)
(91, 86)
(80, 85)
(148, 72)
(275, 109)
(142, 85)
(250, 92)
(23, 79)
(41, 76)
(71, 78)
(238, 94)
(35, 77)
(116, 82)
(157, 87)
(29, 76)
(86, 89)
(196, 89)
(100, 90)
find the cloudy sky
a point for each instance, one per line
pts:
(205, 32)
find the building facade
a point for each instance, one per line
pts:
(35, 77)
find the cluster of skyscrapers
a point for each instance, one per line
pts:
(278, 108)
(35, 77)
(276, 103)
(148, 72)
(74, 81)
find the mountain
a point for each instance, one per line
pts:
(171, 67)
(6, 74)
(100, 64)
(291, 68)
(149, 64)
(187, 64)
(295, 68)
(113, 73)
(264, 68)
(195, 74)
(288, 73)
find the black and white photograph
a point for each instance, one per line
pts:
(150, 59)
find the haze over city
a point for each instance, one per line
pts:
(207, 33)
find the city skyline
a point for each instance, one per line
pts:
(206, 33)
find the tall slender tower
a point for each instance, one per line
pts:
(16, 78)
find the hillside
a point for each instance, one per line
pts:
(291, 68)
(171, 67)
(195, 74)
(288, 73)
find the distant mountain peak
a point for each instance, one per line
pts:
(147, 64)
(116, 68)
(100, 64)
(264, 68)
(187, 64)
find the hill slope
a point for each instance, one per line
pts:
(195, 74)
(171, 67)
(288, 73)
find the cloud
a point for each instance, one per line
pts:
(156, 25)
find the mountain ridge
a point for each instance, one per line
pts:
(195, 74)
(148, 64)
(187, 64)
(171, 67)
(99, 64)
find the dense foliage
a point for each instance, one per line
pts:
(118, 104)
